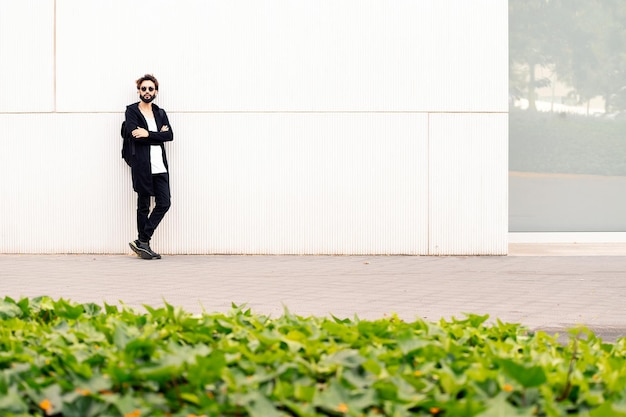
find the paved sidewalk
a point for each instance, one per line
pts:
(542, 292)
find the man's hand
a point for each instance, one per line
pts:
(165, 128)
(140, 132)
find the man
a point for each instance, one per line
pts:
(149, 129)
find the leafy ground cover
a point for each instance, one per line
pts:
(59, 358)
(566, 143)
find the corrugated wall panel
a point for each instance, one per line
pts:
(68, 190)
(281, 55)
(467, 56)
(468, 184)
(241, 183)
(298, 184)
(26, 56)
(301, 127)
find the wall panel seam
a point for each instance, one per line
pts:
(258, 112)
(54, 58)
(428, 190)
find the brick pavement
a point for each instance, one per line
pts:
(541, 292)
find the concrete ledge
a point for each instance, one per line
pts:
(567, 249)
(567, 237)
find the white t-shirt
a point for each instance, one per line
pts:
(156, 153)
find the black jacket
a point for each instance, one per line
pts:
(141, 168)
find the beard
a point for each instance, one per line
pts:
(148, 99)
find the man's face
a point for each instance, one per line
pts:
(147, 91)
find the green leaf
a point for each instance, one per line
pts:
(121, 336)
(259, 406)
(208, 369)
(304, 393)
(527, 375)
(500, 407)
(475, 320)
(82, 406)
(97, 383)
(9, 310)
(24, 305)
(190, 398)
(110, 309)
(341, 321)
(68, 310)
(12, 402)
(92, 309)
(52, 394)
(348, 358)
(609, 409)
(337, 398)
(373, 366)
(125, 404)
(412, 343)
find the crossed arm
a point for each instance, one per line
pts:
(141, 133)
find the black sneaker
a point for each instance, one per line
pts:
(154, 254)
(142, 249)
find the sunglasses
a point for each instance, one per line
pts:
(151, 89)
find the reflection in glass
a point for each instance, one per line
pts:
(567, 121)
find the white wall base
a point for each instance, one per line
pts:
(568, 237)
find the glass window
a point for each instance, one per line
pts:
(567, 120)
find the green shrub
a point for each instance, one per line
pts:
(566, 143)
(65, 359)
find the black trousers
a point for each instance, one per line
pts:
(147, 222)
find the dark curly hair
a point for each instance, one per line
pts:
(148, 77)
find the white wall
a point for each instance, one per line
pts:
(344, 127)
